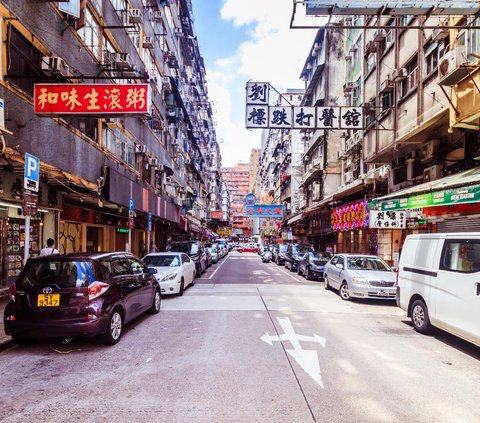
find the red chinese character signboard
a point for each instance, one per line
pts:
(216, 214)
(92, 99)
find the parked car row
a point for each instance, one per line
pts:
(96, 294)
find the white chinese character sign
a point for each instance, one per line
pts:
(304, 117)
(280, 117)
(387, 219)
(259, 114)
(258, 93)
(328, 117)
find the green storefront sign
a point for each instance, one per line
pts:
(470, 194)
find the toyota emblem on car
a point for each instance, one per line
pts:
(47, 290)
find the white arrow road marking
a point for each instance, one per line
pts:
(260, 272)
(306, 359)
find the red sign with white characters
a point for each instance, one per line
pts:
(92, 99)
(216, 214)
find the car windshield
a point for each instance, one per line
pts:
(184, 248)
(301, 249)
(282, 248)
(321, 256)
(162, 261)
(65, 274)
(367, 263)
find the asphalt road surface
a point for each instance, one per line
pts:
(250, 342)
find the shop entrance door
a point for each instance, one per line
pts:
(94, 239)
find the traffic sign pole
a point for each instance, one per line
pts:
(30, 203)
(149, 230)
(131, 209)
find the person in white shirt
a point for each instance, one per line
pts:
(49, 249)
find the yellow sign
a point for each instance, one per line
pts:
(224, 231)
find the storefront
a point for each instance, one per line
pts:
(450, 204)
(350, 221)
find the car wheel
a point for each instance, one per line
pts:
(292, 269)
(115, 328)
(326, 285)
(420, 319)
(307, 274)
(20, 340)
(344, 294)
(182, 287)
(157, 300)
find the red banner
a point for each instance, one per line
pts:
(92, 99)
(216, 214)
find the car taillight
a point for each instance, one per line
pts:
(12, 290)
(96, 289)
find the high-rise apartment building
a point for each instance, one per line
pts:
(237, 179)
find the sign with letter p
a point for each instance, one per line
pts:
(32, 173)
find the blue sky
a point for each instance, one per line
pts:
(243, 40)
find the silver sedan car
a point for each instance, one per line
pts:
(360, 276)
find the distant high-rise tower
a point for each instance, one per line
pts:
(237, 179)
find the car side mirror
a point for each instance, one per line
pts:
(395, 268)
(340, 266)
(152, 270)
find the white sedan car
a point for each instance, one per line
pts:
(175, 271)
(360, 276)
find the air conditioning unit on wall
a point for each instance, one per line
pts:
(429, 150)
(52, 65)
(432, 173)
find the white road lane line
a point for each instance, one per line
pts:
(211, 276)
(290, 274)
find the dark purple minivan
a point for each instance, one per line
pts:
(80, 294)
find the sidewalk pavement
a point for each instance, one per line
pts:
(5, 340)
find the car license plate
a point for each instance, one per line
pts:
(48, 300)
(383, 294)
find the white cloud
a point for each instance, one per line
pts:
(273, 53)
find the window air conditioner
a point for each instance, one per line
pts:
(140, 149)
(399, 74)
(428, 151)
(135, 16)
(157, 16)
(370, 47)
(432, 173)
(348, 177)
(147, 42)
(120, 60)
(386, 86)
(348, 86)
(54, 66)
(379, 35)
(154, 162)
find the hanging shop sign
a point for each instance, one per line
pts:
(216, 214)
(265, 210)
(470, 194)
(250, 199)
(259, 114)
(349, 7)
(350, 216)
(387, 219)
(92, 99)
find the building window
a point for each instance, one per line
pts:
(431, 59)
(117, 142)
(90, 34)
(410, 83)
(24, 62)
(387, 101)
(371, 62)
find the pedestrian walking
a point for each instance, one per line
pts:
(49, 249)
(153, 247)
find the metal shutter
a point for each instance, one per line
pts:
(462, 224)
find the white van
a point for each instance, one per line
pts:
(438, 283)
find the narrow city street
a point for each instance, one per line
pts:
(249, 342)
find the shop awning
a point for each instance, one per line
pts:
(460, 188)
(294, 219)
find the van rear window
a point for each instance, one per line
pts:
(461, 256)
(65, 274)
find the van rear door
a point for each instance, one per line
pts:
(457, 288)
